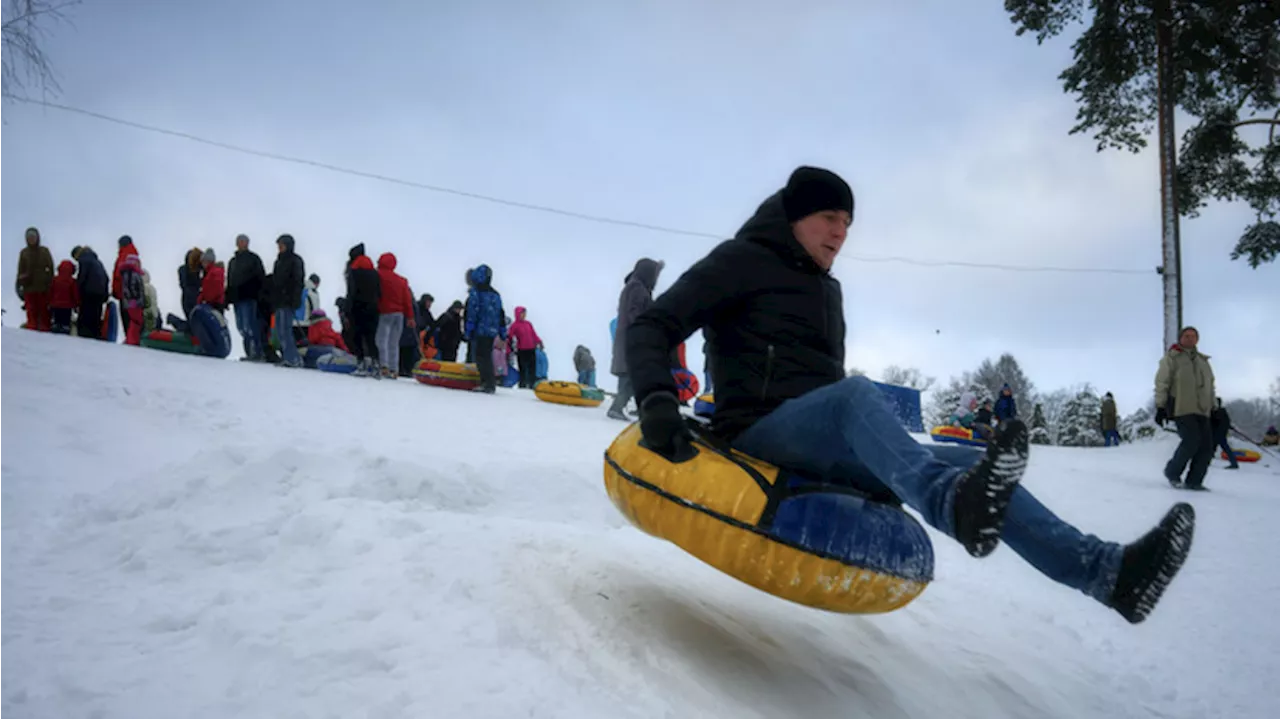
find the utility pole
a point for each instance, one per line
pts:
(1166, 99)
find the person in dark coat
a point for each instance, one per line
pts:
(245, 274)
(364, 289)
(982, 423)
(410, 341)
(1006, 407)
(1220, 422)
(1110, 423)
(635, 298)
(448, 332)
(290, 274)
(95, 287)
(35, 277)
(773, 315)
(191, 279)
(267, 310)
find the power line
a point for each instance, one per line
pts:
(534, 207)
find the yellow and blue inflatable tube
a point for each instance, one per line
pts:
(956, 435)
(1243, 455)
(817, 544)
(570, 393)
(705, 405)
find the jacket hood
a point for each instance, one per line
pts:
(646, 270)
(66, 268)
(1176, 349)
(362, 263)
(769, 227)
(32, 232)
(287, 241)
(129, 249)
(481, 276)
(520, 313)
(387, 261)
(146, 277)
(87, 253)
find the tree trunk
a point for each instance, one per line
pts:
(1171, 270)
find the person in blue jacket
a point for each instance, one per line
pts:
(1006, 407)
(484, 323)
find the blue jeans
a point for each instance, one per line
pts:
(250, 327)
(284, 334)
(587, 378)
(1111, 438)
(846, 433)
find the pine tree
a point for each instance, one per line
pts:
(1138, 425)
(1039, 427)
(1081, 420)
(1225, 63)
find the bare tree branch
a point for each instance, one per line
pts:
(25, 28)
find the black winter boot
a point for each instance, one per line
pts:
(1151, 562)
(983, 493)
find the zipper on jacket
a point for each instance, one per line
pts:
(768, 373)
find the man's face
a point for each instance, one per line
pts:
(280, 248)
(242, 244)
(32, 239)
(822, 235)
(427, 305)
(1189, 339)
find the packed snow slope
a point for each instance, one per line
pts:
(184, 537)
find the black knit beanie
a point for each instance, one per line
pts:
(813, 189)
(125, 240)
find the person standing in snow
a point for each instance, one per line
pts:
(776, 331)
(1184, 393)
(364, 291)
(527, 344)
(287, 278)
(245, 277)
(411, 342)
(1006, 407)
(1220, 422)
(127, 249)
(191, 280)
(94, 286)
(133, 298)
(585, 364)
(395, 310)
(35, 277)
(449, 332)
(310, 301)
(484, 324)
(635, 298)
(213, 288)
(1110, 423)
(64, 298)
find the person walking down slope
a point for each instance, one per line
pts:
(483, 324)
(585, 364)
(527, 344)
(364, 291)
(287, 278)
(35, 277)
(1184, 393)
(1006, 408)
(635, 298)
(245, 277)
(64, 298)
(95, 286)
(395, 311)
(777, 333)
(1110, 423)
(1220, 422)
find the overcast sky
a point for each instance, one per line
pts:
(951, 130)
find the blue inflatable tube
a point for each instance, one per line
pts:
(210, 330)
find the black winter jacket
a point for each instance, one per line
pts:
(1220, 422)
(288, 277)
(773, 322)
(364, 287)
(244, 276)
(92, 277)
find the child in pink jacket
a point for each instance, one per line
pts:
(527, 342)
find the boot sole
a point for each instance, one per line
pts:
(1004, 476)
(1180, 523)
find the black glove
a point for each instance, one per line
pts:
(663, 427)
(1161, 416)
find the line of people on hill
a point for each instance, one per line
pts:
(278, 313)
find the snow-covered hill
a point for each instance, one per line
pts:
(192, 538)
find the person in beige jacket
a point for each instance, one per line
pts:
(1185, 394)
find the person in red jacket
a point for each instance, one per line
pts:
(395, 310)
(321, 333)
(127, 249)
(213, 288)
(64, 296)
